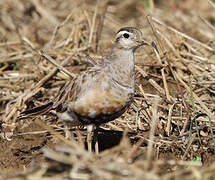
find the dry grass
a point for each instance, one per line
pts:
(168, 131)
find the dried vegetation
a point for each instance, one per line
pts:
(168, 131)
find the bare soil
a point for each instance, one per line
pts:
(181, 75)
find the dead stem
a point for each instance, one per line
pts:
(70, 32)
(152, 131)
(183, 35)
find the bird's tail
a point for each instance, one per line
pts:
(36, 111)
(54, 104)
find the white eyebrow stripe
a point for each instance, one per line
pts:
(122, 32)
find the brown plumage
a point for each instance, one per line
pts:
(103, 92)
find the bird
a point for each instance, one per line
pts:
(101, 93)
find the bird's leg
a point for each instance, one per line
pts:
(67, 132)
(96, 141)
(90, 129)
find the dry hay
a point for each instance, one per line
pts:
(168, 131)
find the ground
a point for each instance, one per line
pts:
(167, 133)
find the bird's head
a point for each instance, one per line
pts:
(129, 38)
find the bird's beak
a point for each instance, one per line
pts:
(144, 42)
(141, 43)
(153, 44)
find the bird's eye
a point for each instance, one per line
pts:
(126, 35)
